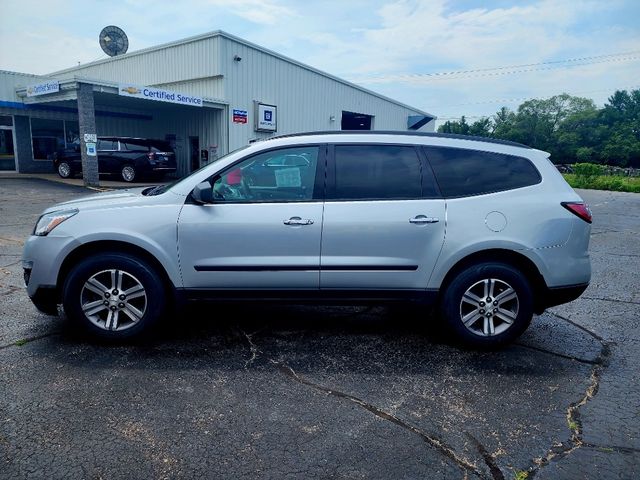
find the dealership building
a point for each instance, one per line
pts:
(206, 95)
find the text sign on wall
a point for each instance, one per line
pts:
(239, 116)
(159, 95)
(266, 120)
(43, 88)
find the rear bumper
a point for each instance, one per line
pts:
(559, 295)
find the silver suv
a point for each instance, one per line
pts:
(486, 231)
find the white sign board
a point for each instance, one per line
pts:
(159, 95)
(90, 137)
(91, 149)
(52, 86)
(266, 120)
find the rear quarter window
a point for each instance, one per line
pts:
(461, 172)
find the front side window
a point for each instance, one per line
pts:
(105, 145)
(285, 175)
(377, 172)
(462, 172)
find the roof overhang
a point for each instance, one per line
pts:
(68, 90)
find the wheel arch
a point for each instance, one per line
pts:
(100, 247)
(509, 257)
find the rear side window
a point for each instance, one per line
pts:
(462, 172)
(378, 172)
(135, 147)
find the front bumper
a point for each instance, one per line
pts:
(46, 300)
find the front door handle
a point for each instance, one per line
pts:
(423, 219)
(298, 221)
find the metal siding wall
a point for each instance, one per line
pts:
(172, 64)
(10, 80)
(212, 87)
(305, 99)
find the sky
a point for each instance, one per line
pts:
(446, 57)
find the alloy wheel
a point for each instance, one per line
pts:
(113, 300)
(128, 173)
(489, 307)
(64, 170)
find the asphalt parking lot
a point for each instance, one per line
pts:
(262, 391)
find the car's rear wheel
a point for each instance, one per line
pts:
(488, 305)
(128, 173)
(113, 296)
(64, 170)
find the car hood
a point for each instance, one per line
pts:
(128, 197)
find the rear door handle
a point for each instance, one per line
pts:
(298, 221)
(423, 219)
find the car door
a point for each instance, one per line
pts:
(106, 148)
(262, 230)
(384, 221)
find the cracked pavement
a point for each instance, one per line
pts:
(283, 391)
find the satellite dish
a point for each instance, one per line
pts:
(113, 41)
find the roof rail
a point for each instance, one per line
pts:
(456, 136)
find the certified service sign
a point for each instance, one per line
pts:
(159, 95)
(43, 88)
(266, 118)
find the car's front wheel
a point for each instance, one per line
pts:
(113, 296)
(64, 170)
(488, 304)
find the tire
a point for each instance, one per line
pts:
(93, 293)
(65, 170)
(488, 324)
(128, 173)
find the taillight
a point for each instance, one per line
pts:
(580, 209)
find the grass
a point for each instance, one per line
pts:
(521, 475)
(604, 182)
(19, 343)
(573, 425)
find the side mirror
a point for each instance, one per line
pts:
(203, 193)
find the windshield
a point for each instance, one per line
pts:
(160, 189)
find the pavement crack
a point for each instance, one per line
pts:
(489, 459)
(561, 355)
(562, 450)
(252, 348)
(432, 441)
(23, 341)
(613, 300)
(612, 448)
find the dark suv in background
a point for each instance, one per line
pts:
(130, 158)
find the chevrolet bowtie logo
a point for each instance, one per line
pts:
(131, 90)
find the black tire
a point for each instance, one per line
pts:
(129, 173)
(480, 316)
(64, 170)
(133, 316)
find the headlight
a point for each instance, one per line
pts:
(49, 221)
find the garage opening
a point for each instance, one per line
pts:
(356, 121)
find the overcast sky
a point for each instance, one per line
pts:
(409, 50)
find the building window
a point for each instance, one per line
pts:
(47, 137)
(72, 133)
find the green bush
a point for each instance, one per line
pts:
(604, 182)
(587, 170)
